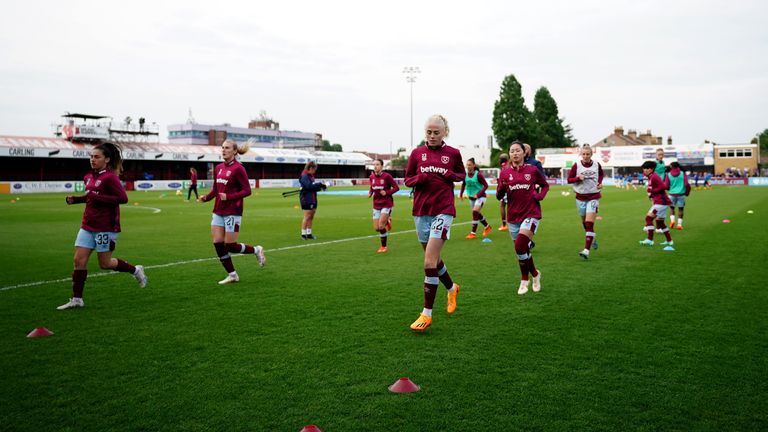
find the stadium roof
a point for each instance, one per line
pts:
(85, 116)
(15, 146)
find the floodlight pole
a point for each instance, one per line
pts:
(410, 76)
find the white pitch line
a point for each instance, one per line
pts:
(172, 264)
(154, 209)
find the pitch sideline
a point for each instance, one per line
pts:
(157, 266)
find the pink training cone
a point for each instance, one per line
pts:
(404, 385)
(726, 221)
(40, 332)
(311, 428)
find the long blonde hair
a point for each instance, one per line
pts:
(240, 148)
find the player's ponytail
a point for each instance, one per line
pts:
(114, 153)
(244, 147)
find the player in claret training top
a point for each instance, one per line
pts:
(518, 182)
(475, 185)
(229, 189)
(586, 176)
(432, 170)
(101, 221)
(660, 202)
(383, 187)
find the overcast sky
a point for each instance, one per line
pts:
(694, 70)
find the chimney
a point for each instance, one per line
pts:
(632, 133)
(618, 130)
(669, 140)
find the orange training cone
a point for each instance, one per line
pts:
(40, 332)
(311, 428)
(404, 385)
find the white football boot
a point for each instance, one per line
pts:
(73, 303)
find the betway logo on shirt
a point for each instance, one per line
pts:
(222, 181)
(519, 186)
(434, 169)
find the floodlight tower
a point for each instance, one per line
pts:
(410, 77)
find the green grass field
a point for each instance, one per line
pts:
(633, 339)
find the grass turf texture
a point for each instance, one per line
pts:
(635, 338)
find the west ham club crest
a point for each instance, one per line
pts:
(423, 156)
(444, 159)
(527, 177)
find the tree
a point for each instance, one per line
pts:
(569, 135)
(763, 141)
(511, 118)
(550, 129)
(327, 146)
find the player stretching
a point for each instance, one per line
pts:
(101, 221)
(229, 189)
(656, 192)
(475, 185)
(383, 186)
(586, 176)
(431, 171)
(518, 182)
(679, 188)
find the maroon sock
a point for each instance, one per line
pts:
(475, 219)
(483, 221)
(532, 266)
(226, 261)
(124, 267)
(523, 255)
(442, 273)
(663, 227)
(239, 248)
(430, 287)
(680, 213)
(78, 282)
(590, 228)
(383, 237)
(649, 223)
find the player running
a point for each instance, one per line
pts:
(383, 187)
(518, 182)
(475, 185)
(586, 176)
(679, 189)
(101, 221)
(229, 188)
(658, 196)
(432, 169)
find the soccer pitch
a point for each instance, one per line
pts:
(635, 338)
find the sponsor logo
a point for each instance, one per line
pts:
(98, 183)
(142, 185)
(68, 185)
(519, 186)
(222, 181)
(21, 152)
(17, 186)
(261, 158)
(445, 159)
(174, 185)
(281, 159)
(80, 154)
(433, 169)
(228, 173)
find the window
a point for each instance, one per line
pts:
(723, 153)
(739, 153)
(747, 152)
